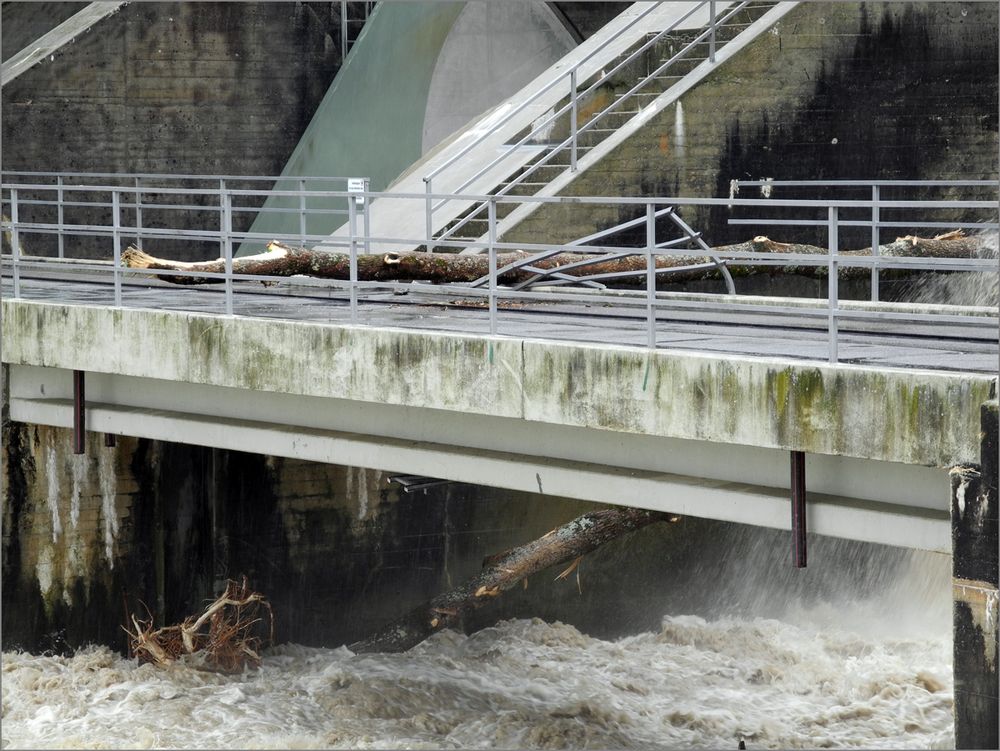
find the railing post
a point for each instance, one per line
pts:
(366, 217)
(116, 235)
(875, 242)
(60, 218)
(352, 213)
(428, 211)
(343, 31)
(711, 38)
(138, 213)
(492, 216)
(572, 120)
(832, 282)
(15, 242)
(226, 206)
(650, 276)
(302, 213)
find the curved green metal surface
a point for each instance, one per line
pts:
(370, 122)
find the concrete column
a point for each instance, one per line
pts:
(974, 592)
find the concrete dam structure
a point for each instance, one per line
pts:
(356, 445)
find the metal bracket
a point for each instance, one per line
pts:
(798, 509)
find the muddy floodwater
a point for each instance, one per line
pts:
(868, 674)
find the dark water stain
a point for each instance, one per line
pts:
(901, 103)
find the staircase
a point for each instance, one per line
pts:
(605, 103)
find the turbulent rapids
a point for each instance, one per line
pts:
(864, 675)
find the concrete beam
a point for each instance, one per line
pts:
(888, 414)
(863, 479)
(741, 502)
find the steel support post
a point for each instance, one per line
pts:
(367, 218)
(572, 120)
(79, 412)
(343, 31)
(302, 213)
(116, 239)
(428, 213)
(798, 485)
(650, 276)
(61, 216)
(138, 213)
(15, 242)
(492, 217)
(832, 283)
(226, 205)
(352, 213)
(711, 37)
(876, 239)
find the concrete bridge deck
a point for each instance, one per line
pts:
(740, 332)
(702, 433)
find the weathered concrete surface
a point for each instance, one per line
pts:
(914, 417)
(908, 416)
(975, 593)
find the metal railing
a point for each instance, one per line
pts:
(193, 209)
(875, 190)
(641, 309)
(570, 80)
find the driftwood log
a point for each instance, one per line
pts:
(281, 260)
(501, 572)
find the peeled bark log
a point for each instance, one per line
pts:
(282, 261)
(503, 571)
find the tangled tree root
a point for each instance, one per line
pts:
(226, 637)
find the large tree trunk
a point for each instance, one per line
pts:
(283, 260)
(503, 571)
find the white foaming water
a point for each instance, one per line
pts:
(850, 675)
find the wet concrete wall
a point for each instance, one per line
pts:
(974, 521)
(340, 551)
(833, 91)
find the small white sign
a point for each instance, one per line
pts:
(356, 185)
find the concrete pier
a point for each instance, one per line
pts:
(974, 561)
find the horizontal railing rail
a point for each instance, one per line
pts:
(111, 215)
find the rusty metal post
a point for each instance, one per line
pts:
(79, 413)
(798, 509)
